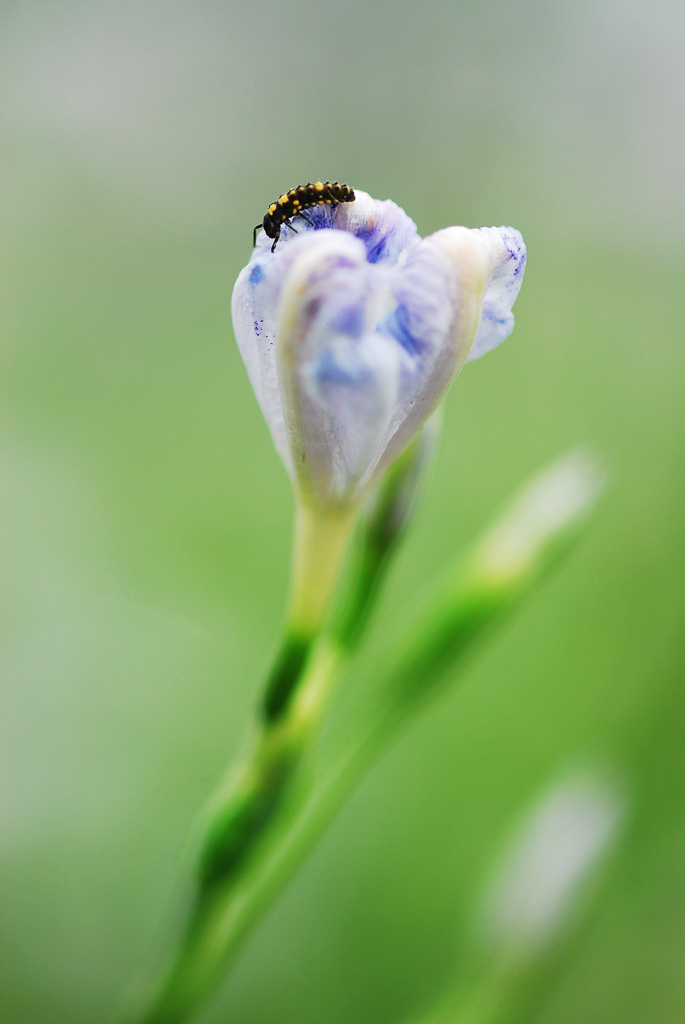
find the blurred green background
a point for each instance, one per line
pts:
(150, 519)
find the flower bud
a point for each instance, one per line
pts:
(353, 330)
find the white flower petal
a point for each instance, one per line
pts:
(446, 276)
(383, 226)
(507, 255)
(339, 377)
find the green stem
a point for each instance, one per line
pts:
(253, 810)
(321, 539)
(234, 894)
(487, 997)
(248, 820)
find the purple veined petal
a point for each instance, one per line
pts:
(507, 254)
(340, 378)
(253, 309)
(254, 305)
(383, 226)
(441, 285)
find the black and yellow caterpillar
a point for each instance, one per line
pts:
(294, 202)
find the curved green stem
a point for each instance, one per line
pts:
(250, 817)
(253, 808)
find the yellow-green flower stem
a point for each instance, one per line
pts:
(250, 801)
(321, 539)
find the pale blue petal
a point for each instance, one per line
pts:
(508, 262)
(253, 309)
(342, 377)
(383, 226)
(355, 383)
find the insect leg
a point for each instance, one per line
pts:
(288, 224)
(301, 213)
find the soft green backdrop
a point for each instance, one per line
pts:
(150, 519)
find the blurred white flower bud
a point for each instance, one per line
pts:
(543, 873)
